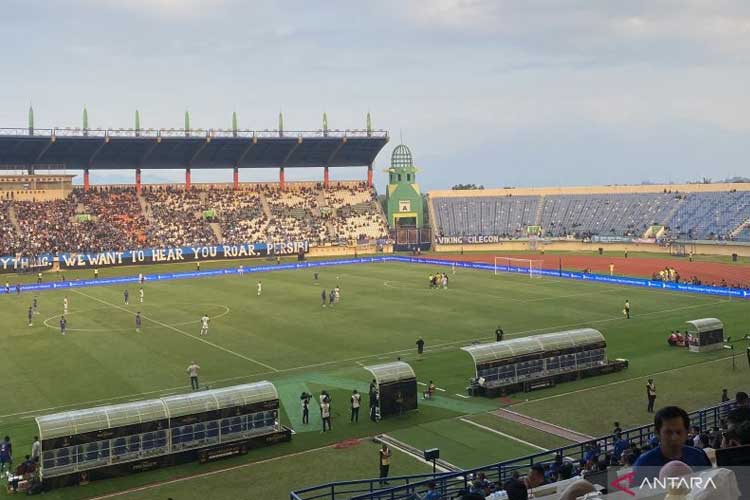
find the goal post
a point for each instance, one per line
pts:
(533, 268)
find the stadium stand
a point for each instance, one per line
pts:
(709, 216)
(355, 214)
(239, 213)
(712, 215)
(177, 217)
(295, 214)
(720, 431)
(10, 241)
(604, 215)
(507, 216)
(109, 218)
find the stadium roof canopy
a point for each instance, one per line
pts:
(497, 351)
(74, 422)
(95, 149)
(391, 372)
(705, 325)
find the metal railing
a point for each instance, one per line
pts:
(448, 484)
(195, 133)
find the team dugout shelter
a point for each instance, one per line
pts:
(534, 362)
(705, 334)
(140, 149)
(107, 441)
(397, 387)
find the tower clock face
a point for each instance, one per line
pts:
(404, 206)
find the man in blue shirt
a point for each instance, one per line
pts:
(620, 446)
(671, 424)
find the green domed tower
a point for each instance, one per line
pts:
(403, 198)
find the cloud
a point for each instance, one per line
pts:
(177, 9)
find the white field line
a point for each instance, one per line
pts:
(381, 355)
(402, 447)
(489, 429)
(543, 422)
(618, 382)
(181, 332)
(205, 474)
(461, 396)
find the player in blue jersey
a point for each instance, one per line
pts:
(63, 324)
(138, 322)
(35, 305)
(126, 294)
(31, 315)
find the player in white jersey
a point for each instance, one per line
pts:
(140, 295)
(204, 324)
(65, 305)
(241, 270)
(140, 278)
(260, 288)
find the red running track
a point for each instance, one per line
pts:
(708, 272)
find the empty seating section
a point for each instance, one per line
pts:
(507, 216)
(708, 216)
(604, 215)
(694, 215)
(743, 235)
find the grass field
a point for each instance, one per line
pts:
(286, 336)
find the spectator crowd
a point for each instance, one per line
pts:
(110, 218)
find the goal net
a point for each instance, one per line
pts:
(523, 266)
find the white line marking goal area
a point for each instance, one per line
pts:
(181, 332)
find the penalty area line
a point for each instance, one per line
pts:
(181, 332)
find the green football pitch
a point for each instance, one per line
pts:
(285, 336)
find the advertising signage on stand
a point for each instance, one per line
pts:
(152, 256)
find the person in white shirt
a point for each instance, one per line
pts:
(192, 371)
(356, 399)
(36, 449)
(260, 288)
(65, 305)
(204, 324)
(140, 278)
(241, 270)
(325, 415)
(140, 295)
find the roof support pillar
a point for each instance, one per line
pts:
(369, 176)
(138, 180)
(86, 180)
(187, 179)
(236, 178)
(281, 178)
(326, 179)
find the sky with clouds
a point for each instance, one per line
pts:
(500, 93)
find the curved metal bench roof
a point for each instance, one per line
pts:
(495, 351)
